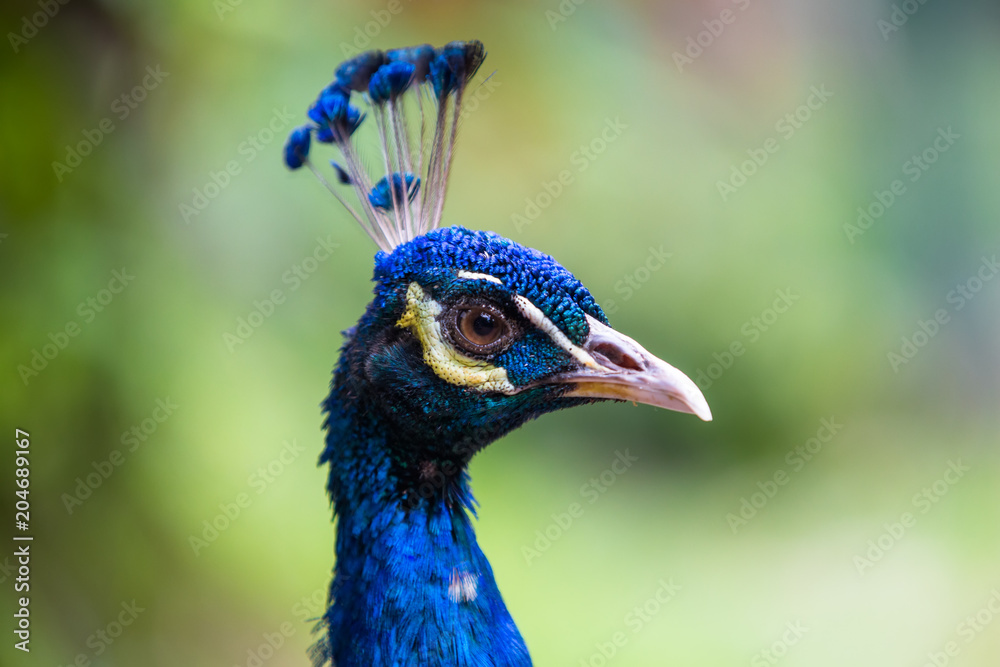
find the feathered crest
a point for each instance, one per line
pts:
(409, 199)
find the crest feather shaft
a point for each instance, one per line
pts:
(405, 90)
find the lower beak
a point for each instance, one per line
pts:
(625, 371)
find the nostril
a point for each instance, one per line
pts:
(617, 356)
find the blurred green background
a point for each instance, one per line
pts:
(748, 136)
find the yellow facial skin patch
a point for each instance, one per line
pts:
(447, 363)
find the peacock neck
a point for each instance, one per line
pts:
(411, 585)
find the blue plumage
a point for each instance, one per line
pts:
(468, 336)
(356, 72)
(398, 443)
(390, 81)
(418, 56)
(404, 187)
(297, 147)
(336, 119)
(525, 270)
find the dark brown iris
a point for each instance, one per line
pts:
(479, 329)
(479, 326)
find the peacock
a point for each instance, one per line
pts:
(469, 335)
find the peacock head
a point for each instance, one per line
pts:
(470, 334)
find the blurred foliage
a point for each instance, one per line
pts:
(230, 71)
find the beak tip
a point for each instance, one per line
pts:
(650, 380)
(700, 409)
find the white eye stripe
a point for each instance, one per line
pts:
(479, 276)
(430, 333)
(533, 314)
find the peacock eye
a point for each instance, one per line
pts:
(479, 329)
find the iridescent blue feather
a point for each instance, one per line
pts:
(469, 335)
(391, 84)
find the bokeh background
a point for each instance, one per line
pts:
(821, 572)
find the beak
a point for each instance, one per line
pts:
(625, 371)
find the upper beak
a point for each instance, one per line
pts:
(625, 371)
